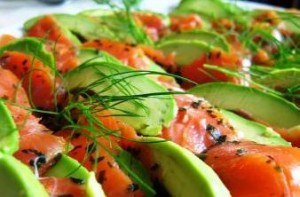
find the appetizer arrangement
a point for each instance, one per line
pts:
(203, 101)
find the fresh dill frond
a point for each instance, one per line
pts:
(125, 14)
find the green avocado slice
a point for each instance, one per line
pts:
(80, 25)
(185, 51)
(212, 9)
(16, 179)
(68, 167)
(104, 15)
(181, 172)
(253, 131)
(83, 26)
(31, 22)
(210, 38)
(142, 104)
(283, 78)
(270, 109)
(33, 47)
(117, 22)
(9, 135)
(114, 21)
(291, 20)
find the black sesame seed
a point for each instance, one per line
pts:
(101, 176)
(77, 181)
(240, 152)
(133, 187)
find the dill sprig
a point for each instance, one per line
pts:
(125, 15)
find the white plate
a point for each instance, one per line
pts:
(13, 13)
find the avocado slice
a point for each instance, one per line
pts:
(181, 172)
(93, 188)
(110, 79)
(16, 179)
(105, 14)
(291, 20)
(283, 78)
(210, 9)
(210, 38)
(68, 167)
(253, 131)
(268, 108)
(117, 22)
(188, 51)
(82, 26)
(33, 47)
(9, 135)
(31, 22)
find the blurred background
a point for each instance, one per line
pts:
(13, 13)
(281, 3)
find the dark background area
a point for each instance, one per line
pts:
(281, 3)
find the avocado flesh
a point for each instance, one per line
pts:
(31, 22)
(103, 13)
(212, 9)
(182, 173)
(291, 20)
(84, 26)
(149, 114)
(186, 52)
(68, 167)
(93, 188)
(210, 38)
(253, 131)
(16, 179)
(117, 22)
(270, 109)
(283, 78)
(80, 25)
(9, 135)
(33, 47)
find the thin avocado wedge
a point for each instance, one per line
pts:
(84, 26)
(253, 131)
(103, 13)
(183, 173)
(67, 33)
(87, 54)
(283, 78)
(149, 106)
(209, 37)
(16, 179)
(33, 47)
(185, 51)
(212, 9)
(9, 135)
(117, 22)
(291, 20)
(81, 26)
(68, 167)
(270, 109)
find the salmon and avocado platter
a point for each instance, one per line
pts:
(202, 101)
